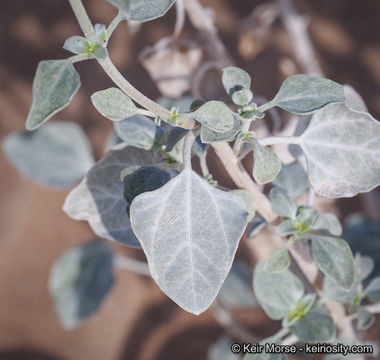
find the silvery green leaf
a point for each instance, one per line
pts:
(342, 151)
(187, 260)
(101, 32)
(216, 115)
(300, 311)
(364, 264)
(372, 291)
(56, 155)
(255, 226)
(99, 199)
(138, 131)
(113, 104)
(208, 136)
(171, 136)
(139, 179)
(286, 227)
(303, 94)
(278, 261)
(306, 217)
(236, 290)
(365, 319)
(98, 51)
(277, 293)
(221, 350)
(54, 85)
(242, 97)
(332, 291)
(80, 280)
(328, 223)
(264, 355)
(292, 178)
(76, 45)
(282, 204)
(111, 141)
(353, 99)
(248, 201)
(334, 258)
(266, 164)
(142, 10)
(316, 326)
(234, 79)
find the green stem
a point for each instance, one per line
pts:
(114, 23)
(266, 106)
(83, 19)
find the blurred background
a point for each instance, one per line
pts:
(137, 321)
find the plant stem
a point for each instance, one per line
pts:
(145, 113)
(187, 147)
(83, 19)
(271, 140)
(133, 265)
(139, 97)
(114, 23)
(243, 180)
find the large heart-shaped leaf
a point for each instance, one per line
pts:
(80, 280)
(342, 149)
(99, 199)
(189, 231)
(142, 10)
(303, 94)
(54, 85)
(56, 155)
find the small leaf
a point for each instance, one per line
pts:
(208, 136)
(282, 204)
(142, 10)
(365, 319)
(266, 164)
(80, 280)
(334, 258)
(101, 32)
(278, 261)
(188, 261)
(316, 326)
(372, 291)
(138, 131)
(300, 311)
(99, 199)
(364, 264)
(332, 291)
(236, 290)
(286, 228)
(248, 201)
(216, 116)
(328, 223)
(303, 94)
(305, 219)
(277, 293)
(56, 155)
(342, 150)
(113, 104)
(292, 178)
(54, 85)
(234, 79)
(242, 97)
(76, 45)
(139, 179)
